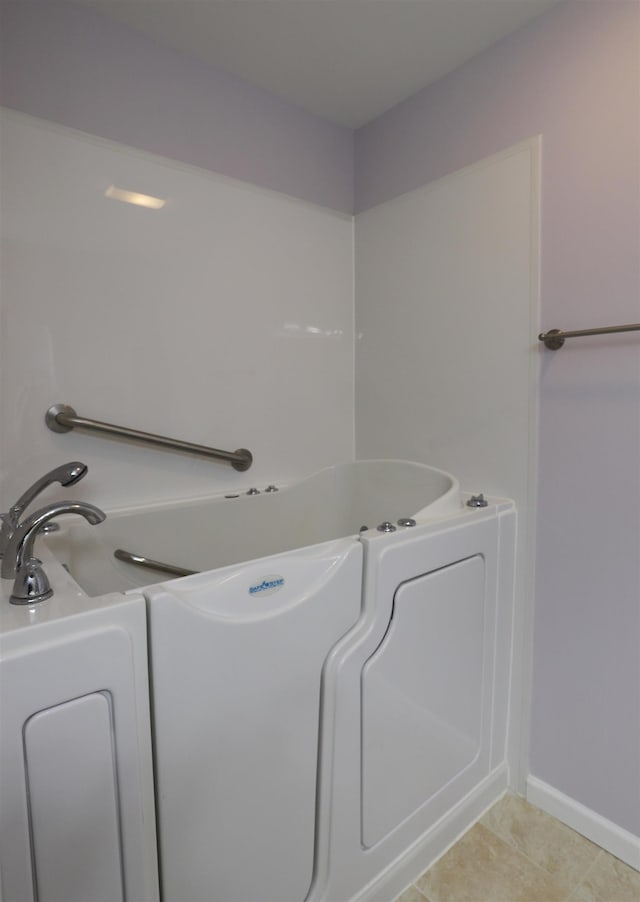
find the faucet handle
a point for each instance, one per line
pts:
(31, 583)
(66, 474)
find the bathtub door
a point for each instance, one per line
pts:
(423, 695)
(415, 706)
(237, 657)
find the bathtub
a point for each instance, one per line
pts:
(228, 529)
(329, 699)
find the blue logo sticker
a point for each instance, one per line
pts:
(267, 586)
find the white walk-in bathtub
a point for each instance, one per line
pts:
(329, 700)
(203, 535)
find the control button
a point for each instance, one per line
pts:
(477, 501)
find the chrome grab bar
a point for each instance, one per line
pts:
(554, 338)
(149, 564)
(62, 418)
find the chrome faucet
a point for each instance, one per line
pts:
(66, 474)
(31, 583)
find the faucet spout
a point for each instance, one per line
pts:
(66, 474)
(20, 549)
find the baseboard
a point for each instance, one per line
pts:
(616, 840)
(438, 839)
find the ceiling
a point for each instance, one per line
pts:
(345, 60)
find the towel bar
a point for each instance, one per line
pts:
(554, 338)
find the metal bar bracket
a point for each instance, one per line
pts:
(554, 338)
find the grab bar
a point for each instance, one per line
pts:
(62, 418)
(149, 564)
(554, 338)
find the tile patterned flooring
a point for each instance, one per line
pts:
(517, 853)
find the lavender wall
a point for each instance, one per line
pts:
(573, 77)
(69, 65)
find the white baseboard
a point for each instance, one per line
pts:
(616, 840)
(438, 839)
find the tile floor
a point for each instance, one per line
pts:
(517, 853)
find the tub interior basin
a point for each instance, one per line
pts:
(205, 534)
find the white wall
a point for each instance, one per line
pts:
(223, 319)
(446, 324)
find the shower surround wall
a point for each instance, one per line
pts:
(224, 319)
(446, 368)
(570, 76)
